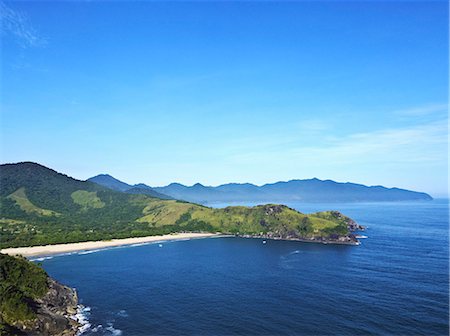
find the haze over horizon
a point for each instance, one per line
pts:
(155, 93)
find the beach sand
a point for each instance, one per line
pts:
(93, 245)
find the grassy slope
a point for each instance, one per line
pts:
(87, 199)
(262, 218)
(24, 203)
(40, 206)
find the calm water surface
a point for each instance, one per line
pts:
(395, 283)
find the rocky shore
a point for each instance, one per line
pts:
(348, 239)
(342, 240)
(32, 303)
(55, 313)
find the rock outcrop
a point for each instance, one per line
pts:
(32, 303)
(55, 313)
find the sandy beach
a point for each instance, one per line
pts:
(93, 245)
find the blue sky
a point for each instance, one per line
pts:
(217, 92)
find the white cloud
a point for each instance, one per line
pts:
(414, 144)
(423, 110)
(17, 24)
(421, 144)
(314, 125)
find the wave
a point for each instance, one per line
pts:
(138, 244)
(122, 313)
(82, 317)
(109, 330)
(114, 331)
(97, 328)
(84, 252)
(65, 254)
(41, 258)
(89, 251)
(53, 256)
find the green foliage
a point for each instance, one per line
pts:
(87, 199)
(21, 282)
(10, 209)
(45, 188)
(85, 211)
(24, 203)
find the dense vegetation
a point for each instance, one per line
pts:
(40, 206)
(21, 282)
(110, 182)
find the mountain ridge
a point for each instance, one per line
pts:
(39, 206)
(305, 190)
(111, 182)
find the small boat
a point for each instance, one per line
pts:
(361, 237)
(160, 245)
(264, 242)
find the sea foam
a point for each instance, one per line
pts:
(82, 317)
(41, 258)
(114, 331)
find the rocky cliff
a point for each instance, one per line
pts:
(32, 303)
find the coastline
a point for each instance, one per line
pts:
(44, 250)
(304, 240)
(47, 250)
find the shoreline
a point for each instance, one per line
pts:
(46, 250)
(304, 240)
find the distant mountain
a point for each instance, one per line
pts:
(112, 183)
(40, 206)
(311, 190)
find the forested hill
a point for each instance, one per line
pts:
(114, 184)
(34, 187)
(41, 206)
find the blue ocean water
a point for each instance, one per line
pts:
(395, 283)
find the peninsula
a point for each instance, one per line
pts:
(40, 206)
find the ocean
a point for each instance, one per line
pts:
(395, 283)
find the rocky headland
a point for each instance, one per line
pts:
(349, 238)
(32, 303)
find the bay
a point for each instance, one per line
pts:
(395, 283)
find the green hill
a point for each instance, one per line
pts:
(41, 206)
(110, 182)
